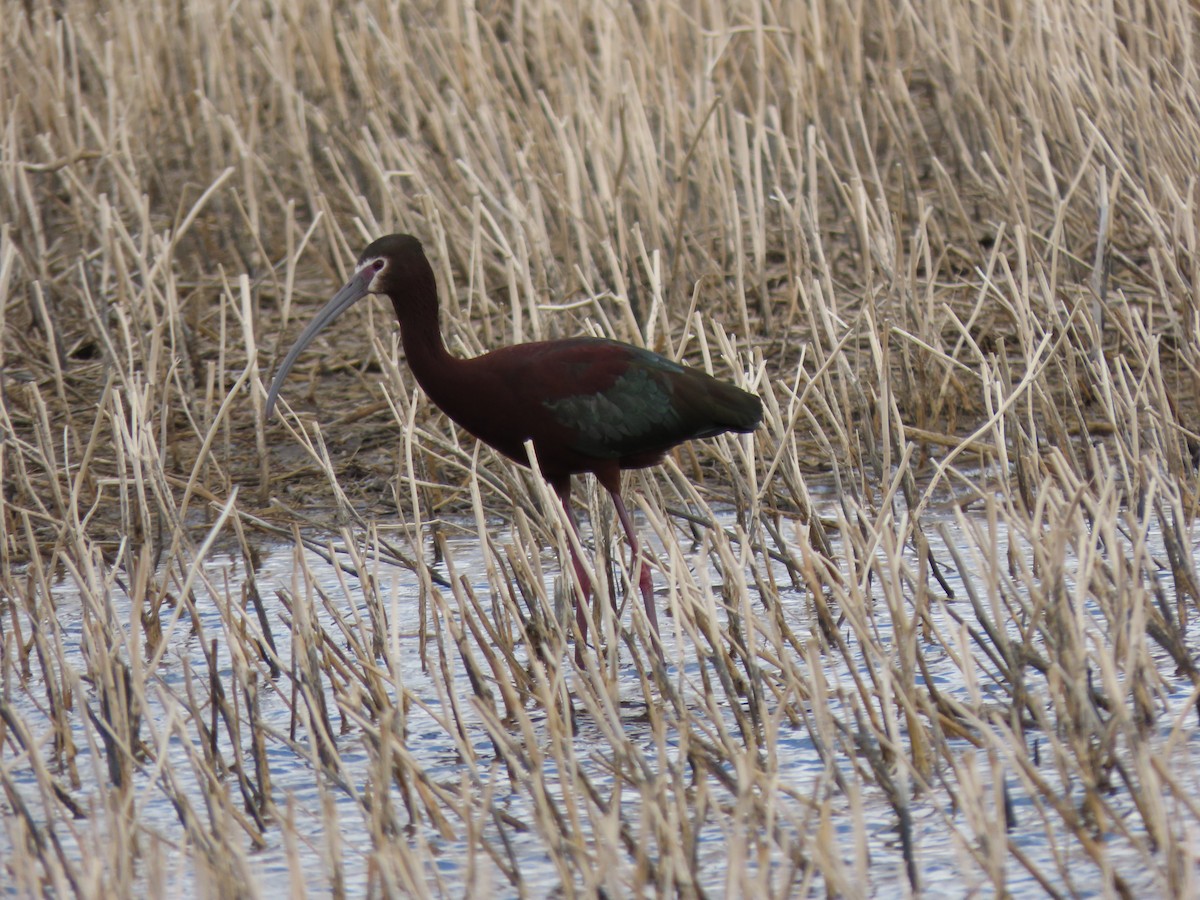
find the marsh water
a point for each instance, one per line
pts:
(860, 826)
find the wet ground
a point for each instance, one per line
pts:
(863, 822)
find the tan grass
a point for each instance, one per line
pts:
(954, 247)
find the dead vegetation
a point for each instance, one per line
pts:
(931, 627)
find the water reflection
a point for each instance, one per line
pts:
(812, 788)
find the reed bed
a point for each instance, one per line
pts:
(931, 629)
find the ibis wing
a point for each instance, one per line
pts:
(625, 401)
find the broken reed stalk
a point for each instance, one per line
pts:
(950, 579)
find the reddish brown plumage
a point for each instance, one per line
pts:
(587, 404)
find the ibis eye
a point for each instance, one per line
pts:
(377, 265)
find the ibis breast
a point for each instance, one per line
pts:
(586, 402)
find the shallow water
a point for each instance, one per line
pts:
(455, 865)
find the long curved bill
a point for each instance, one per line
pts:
(351, 292)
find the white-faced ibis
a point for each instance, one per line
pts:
(587, 404)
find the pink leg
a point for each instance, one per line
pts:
(645, 584)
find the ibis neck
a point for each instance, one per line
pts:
(424, 349)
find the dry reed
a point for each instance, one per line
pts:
(930, 629)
